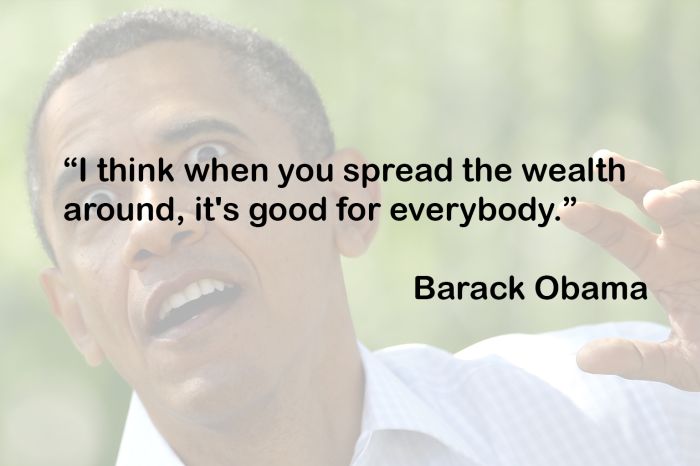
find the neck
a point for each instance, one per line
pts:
(313, 417)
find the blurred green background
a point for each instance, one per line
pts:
(402, 80)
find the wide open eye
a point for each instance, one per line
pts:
(100, 196)
(203, 153)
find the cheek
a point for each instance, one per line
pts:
(278, 240)
(93, 251)
(296, 267)
(291, 252)
(294, 260)
(103, 293)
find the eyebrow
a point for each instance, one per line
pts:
(70, 176)
(187, 129)
(177, 133)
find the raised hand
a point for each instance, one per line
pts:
(668, 262)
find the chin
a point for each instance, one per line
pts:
(216, 397)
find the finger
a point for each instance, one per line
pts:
(639, 178)
(639, 360)
(674, 205)
(627, 241)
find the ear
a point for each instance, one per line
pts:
(66, 309)
(353, 237)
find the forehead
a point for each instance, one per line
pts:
(124, 101)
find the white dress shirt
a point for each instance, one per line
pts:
(511, 400)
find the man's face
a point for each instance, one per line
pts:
(121, 285)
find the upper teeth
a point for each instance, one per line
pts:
(189, 293)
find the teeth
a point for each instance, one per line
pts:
(191, 292)
(177, 300)
(207, 286)
(165, 309)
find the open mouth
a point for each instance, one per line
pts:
(194, 300)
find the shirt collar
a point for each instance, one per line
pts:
(141, 441)
(389, 404)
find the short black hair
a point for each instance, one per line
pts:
(263, 69)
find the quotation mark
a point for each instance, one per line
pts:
(569, 201)
(75, 162)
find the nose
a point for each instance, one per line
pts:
(151, 239)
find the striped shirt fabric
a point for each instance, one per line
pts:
(513, 400)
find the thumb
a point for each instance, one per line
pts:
(631, 359)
